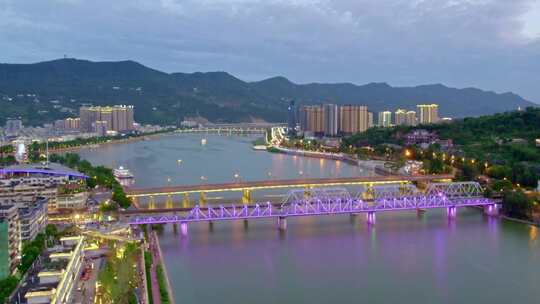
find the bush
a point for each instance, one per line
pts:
(163, 291)
(148, 265)
(517, 204)
(7, 286)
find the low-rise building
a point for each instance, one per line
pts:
(24, 183)
(71, 201)
(33, 218)
(419, 137)
(57, 284)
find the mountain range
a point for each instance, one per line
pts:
(45, 91)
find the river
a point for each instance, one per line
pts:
(404, 258)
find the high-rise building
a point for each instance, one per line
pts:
(400, 117)
(385, 119)
(119, 118)
(428, 113)
(100, 127)
(410, 118)
(370, 120)
(314, 119)
(68, 124)
(331, 120)
(10, 241)
(353, 119)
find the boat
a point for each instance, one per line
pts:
(123, 176)
(203, 142)
(259, 148)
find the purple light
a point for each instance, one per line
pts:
(41, 171)
(316, 207)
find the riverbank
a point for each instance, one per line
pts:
(161, 262)
(109, 142)
(315, 154)
(512, 219)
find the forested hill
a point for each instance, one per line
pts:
(45, 91)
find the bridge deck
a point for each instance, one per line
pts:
(308, 208)
(286, 183)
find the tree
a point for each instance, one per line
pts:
(517, 204)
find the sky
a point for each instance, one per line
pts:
(489, 44)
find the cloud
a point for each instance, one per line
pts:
(404, 42)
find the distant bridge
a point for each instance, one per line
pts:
(248, 187)
(224, 130)
(285, 183)
(335, 201)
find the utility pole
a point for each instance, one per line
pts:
(47, 152)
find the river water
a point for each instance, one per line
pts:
(403, 259)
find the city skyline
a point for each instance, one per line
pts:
(422, 44)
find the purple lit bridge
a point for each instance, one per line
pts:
(336, 201)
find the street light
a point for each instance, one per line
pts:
(407, 153)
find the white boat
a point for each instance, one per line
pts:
(203, 142)
(260, 148)
(121, 172)
(123, 176)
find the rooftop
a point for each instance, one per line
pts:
(50, 169)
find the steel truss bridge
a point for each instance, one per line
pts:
(336, 201)
(247, 187)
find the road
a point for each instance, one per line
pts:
(286, 183)
(153, 273)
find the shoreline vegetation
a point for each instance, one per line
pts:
(97, 176)
(500, 151)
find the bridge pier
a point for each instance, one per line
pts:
(451, 212)
(185, 200)
(183, 228)
(202, 198)
(152, 204)
(246, 196)
(371, 218)
(491, 210)
(169, 202)
(282, 223)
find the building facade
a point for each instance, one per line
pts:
(385, 119)
(410, 118)
(400, 117)
(314, 119)
(10, 241)
(71, 201)
(119, 118)
(13, 126)
(331, 120)
(428, 113)
(353, 119)
(33, 218)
